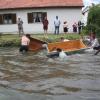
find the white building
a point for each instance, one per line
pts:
(85, 15)
(30, 10)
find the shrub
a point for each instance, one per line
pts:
(93, 21)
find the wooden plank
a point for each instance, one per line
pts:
(67, 46)
(35, 44)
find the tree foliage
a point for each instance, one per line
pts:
(93, 21)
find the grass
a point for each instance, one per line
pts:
(14, 39)
(54, 38)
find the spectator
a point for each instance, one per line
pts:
(75, 27)
(45, 26)
(65, 27)
(79, 27)
(20, 26)
(57, 25)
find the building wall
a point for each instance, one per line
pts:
(70, 15)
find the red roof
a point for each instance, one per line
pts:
(13, 4)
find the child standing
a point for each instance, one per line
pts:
(45, 26)
(74, 27)
(65, 27)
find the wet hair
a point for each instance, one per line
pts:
(93, 35)
(28, 35)
(56, 17)
(65, 22)
(62, 38)
(59, 50)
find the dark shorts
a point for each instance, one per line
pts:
(23, 48)
(75, 29)
(97, 48)
(45, 27)
(65, 29)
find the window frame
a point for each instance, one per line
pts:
(33, 15)
(8, 19)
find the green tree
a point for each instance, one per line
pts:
(93, 21)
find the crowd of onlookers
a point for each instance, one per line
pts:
(77, 26)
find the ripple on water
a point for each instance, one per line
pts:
(55, 86)
(35, 73)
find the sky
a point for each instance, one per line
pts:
(88, 2)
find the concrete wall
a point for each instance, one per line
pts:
(70, 15)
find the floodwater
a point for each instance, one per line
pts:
(33, 76)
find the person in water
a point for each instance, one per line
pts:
(62, 39)
(93, 41)
(25, 40)
(62, 54)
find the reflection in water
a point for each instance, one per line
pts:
(76, 78)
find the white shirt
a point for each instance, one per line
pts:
(62, 55)
(66, 40)
(57, 22)
(94, 43)
(25, 40)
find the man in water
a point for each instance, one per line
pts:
(62, 54)
(98, 49)
(25, 40)
(94, 43)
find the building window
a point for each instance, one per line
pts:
(36, 17)
(8, 19)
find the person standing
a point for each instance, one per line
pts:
(65, 27)
(20, 26)
(45, 26)
(57, 25)
(75, 27)
(79, 27)
(25, 40)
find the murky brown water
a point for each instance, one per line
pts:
(33, 76)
